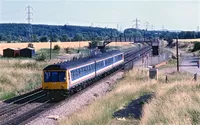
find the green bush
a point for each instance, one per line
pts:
(40, 57)
(196, 46)
(56, 47)
(95, 43)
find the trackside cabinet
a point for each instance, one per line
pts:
(153, 73)
(155, 50)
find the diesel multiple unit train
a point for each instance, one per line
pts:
(68, 76)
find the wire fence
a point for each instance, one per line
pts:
(154, 60)
(193, 79)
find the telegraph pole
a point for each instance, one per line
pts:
(177, 53)
(29, 19)
(51, 39)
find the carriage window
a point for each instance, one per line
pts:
(62, 77)
(93, 66)
(80, 70)
(72, 73)
(77, 72)
(54, 76)
(47, 76)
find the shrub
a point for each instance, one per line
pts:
(169, 41)
(196, 47)
(67, 50)
(56, 47)
(44, 39)
(30, 45)
(40, 57)
(95, 43)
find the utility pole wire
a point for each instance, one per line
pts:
(29, 19)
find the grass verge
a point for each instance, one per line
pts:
(176, 102)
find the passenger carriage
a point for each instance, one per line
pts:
(74, 74)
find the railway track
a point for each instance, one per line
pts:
(11, 112)
(14, 106)
(132, 56)
(139, 53)
(27, 116)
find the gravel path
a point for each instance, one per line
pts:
(69, 106)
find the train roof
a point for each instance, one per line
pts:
(82, 61)
(107, 54)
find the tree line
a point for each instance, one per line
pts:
(43, 33)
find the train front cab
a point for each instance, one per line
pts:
(55, 83)
(55, 80)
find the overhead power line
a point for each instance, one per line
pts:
(136, 21)
(29, 19)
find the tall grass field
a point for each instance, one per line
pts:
(18, 76)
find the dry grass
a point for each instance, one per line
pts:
(18, 76)
(42, 45)
(177, 102)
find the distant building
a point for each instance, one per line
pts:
(11, 52)
(27, 52)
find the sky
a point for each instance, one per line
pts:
(120, 14)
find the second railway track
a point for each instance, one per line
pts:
(12, 107)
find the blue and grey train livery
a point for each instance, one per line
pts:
(68, 75)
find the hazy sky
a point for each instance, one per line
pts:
(172, 14)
